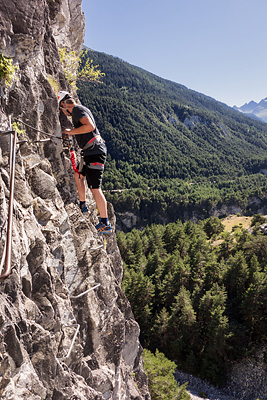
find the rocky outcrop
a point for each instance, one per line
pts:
(248, 378)
(191, 121)
(54, 343)
(138, 218)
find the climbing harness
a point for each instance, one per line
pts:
(91, 144)
(94, 165)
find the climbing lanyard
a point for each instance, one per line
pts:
(73, 163)
(72, 154)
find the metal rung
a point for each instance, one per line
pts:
(96, 248)
(73, 340)
(33, 141)
(87, 291)
(3, 259)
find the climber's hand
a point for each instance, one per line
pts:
(66, 132)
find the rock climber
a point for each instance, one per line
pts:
(93, 152)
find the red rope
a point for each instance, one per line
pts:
(72, 158)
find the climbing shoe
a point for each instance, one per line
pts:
(103, 228)
(84, 210)
(98, 225)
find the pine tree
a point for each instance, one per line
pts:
(213, 227)
(236, 276)
(176, 278)
(254, 303)
(140, 292)
(182, 324)
(214, 333)
(160, 331)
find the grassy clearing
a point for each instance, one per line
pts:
(233, 220)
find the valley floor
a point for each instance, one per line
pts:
(199, 389)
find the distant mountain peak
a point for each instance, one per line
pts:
(255, 110)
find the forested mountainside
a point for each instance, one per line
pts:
(199, 293)
(179, 151)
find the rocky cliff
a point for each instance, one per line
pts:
(54, 343)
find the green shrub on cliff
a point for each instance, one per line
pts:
(7, 70)
(161, 381)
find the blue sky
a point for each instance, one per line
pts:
(216, 47)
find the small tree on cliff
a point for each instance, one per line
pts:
(161, 381)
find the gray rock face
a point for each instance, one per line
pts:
(54, 344)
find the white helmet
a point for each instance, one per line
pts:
(62, 94)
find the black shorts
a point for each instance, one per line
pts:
(93, 176)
